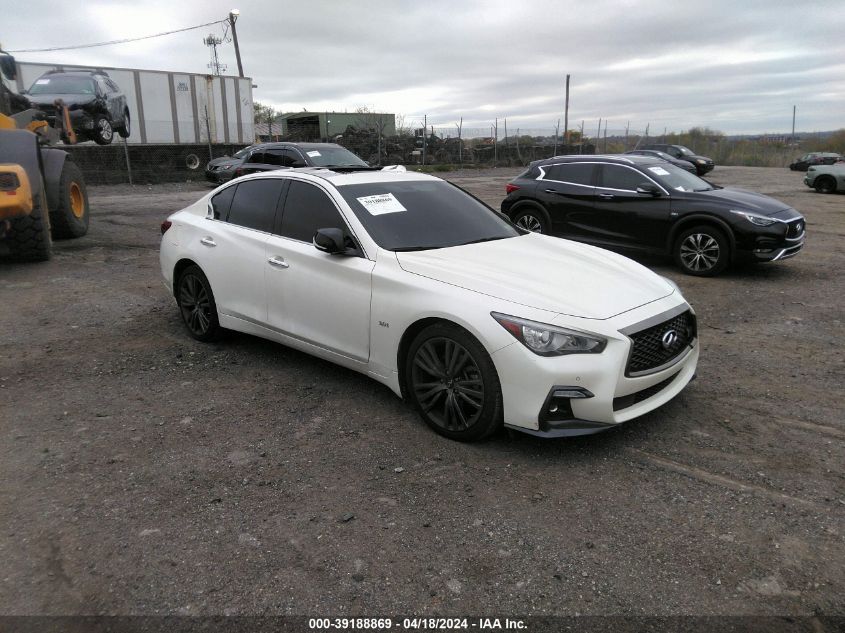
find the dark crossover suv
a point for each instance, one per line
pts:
(96, 104)
(702, 164)
(655, 153)
(647, 205)
(270, 156)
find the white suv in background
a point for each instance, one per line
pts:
(414, 282)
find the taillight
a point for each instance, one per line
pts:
(238, 172)
(165, 225)
(510, 188)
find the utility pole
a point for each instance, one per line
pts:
(557, 133)
(581, 140)
(605, 136)
(598, 135)
(627, 126)
(425, 131)
(792, 138)
(233, 16)
(496, 144)
(566, 115)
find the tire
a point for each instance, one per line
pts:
(103, 133)
(196, 305)
(28, 237)
(70, 218)
(192, 161)
(703, 251)
(825, 184)
(532, 219)
(125, 129)
(453, 383)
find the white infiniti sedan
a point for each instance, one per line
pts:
(416, 283)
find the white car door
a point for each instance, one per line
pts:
(232, 246)
(313, 296)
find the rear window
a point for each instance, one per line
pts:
(575, 173)
(254, 204)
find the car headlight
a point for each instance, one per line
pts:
(225, 167)
(700, 161)
(550, 340)
(755, 218)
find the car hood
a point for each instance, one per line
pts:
(69, 100)
(741, 199)
(543, 272)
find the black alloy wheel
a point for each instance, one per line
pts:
(531, 220)
(702, 251)
(196, 304)
(453, 383)
(103, 133)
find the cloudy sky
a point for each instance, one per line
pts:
(735, 66)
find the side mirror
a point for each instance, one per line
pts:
(298, 163)
(648, 189)
(8, 67)
(333, 242)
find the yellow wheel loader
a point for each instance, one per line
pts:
(42, 191)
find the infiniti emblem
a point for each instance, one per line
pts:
(669, 338)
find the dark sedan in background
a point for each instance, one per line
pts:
(815, 158)
(654, 153)
(644, 204)
(270, 156)
(702, 164)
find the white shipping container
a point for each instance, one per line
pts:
(172, 107)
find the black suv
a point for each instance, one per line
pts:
(702, 164)
(270, 156)
(97, 105)
(648, 205)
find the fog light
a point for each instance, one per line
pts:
(558, 404)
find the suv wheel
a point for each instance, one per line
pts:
(532, 219)
(702, 251)
(103, 133)
(825, 184)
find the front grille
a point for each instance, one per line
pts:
(655, 346)
(623, 402)
(795, 229)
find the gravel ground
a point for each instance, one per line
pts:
(144, 473)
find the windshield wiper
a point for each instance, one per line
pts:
(484, 239)
(406, 249)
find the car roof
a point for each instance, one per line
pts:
(281, 144)
(77, 73)
(629, 159)
(339, 179)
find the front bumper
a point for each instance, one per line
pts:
(529, 381)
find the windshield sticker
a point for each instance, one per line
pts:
(313, 154)
(381, 203)
(659, 171)
(41, 82)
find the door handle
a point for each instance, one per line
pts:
(278, 262)
(208, 241)
(606, 196)
(551, 191)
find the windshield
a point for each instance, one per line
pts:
(241, 153)
(63, 85)
(675, 178)
(422, 215)
(333, 157)
(686, 151)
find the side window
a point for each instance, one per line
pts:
(618, 177)
(256, 157)
(308, 208)
(221, 202)
(281, 157)
(672, 151)
(576, 173)
(254, 204)
(113, 86)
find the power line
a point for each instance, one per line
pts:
(131, 39)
